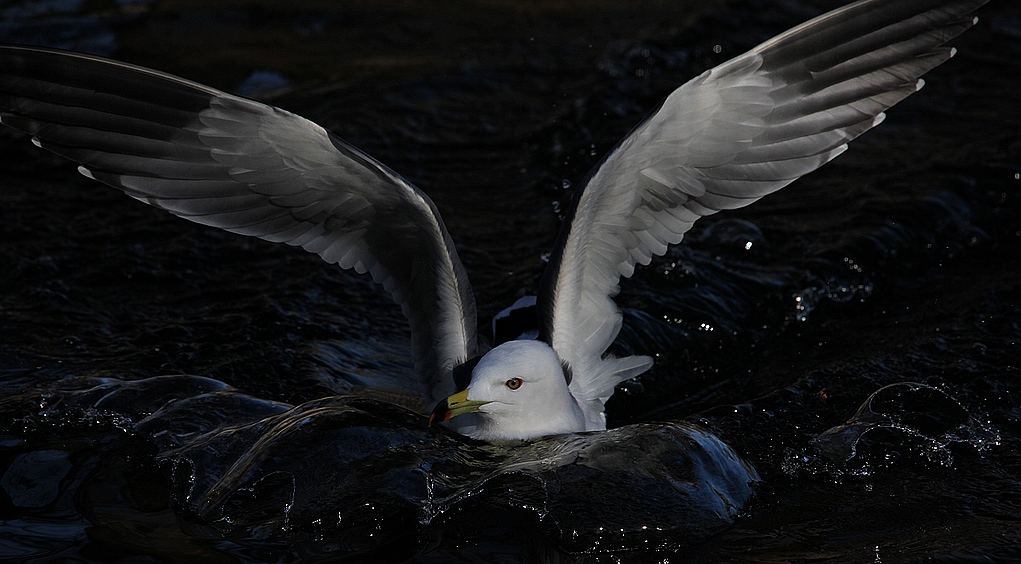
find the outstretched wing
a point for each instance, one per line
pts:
(740, 131)
(249, 168)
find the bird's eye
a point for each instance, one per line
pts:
(514, 383)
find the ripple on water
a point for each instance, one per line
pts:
(347, 474)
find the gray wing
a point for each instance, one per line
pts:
(253, 169)
(725, 139)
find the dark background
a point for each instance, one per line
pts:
(897, 262)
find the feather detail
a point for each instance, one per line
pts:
(728, 137)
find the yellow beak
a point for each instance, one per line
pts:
(457, 404)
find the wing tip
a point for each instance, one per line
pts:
(86, 172)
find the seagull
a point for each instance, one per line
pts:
(726, 138)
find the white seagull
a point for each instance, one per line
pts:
(728, 137)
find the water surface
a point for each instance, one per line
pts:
(846, 350)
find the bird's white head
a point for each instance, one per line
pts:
(518, 391)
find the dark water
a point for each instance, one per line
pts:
(860, 357)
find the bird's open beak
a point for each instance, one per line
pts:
(457, 404)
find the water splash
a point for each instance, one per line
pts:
(897, 424)
(347, 474)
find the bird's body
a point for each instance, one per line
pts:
(732, 135)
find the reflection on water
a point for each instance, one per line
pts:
(847, 347)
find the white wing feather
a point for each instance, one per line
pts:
(740, 131)
(249, 168)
